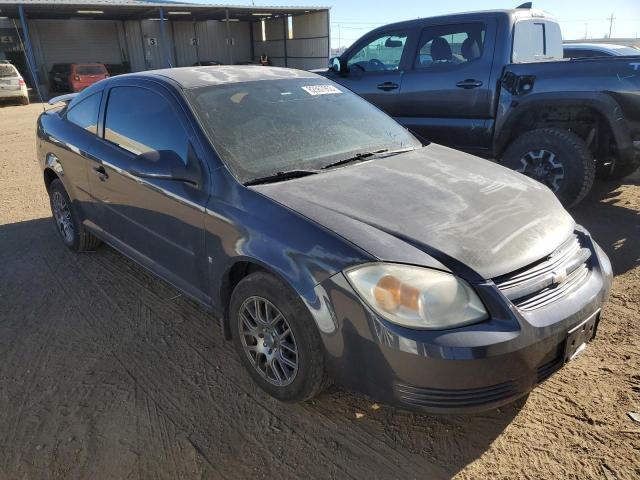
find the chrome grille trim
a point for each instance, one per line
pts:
(546, 280)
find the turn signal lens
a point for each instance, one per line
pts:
(390, 293)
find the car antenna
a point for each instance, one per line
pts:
(525, 5)
(34, 77)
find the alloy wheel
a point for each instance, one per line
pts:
(543, 166)
(62, 216)
(268, 341)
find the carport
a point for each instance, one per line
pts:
(135, 35)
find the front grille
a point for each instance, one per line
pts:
(460, 398)
(548, 279)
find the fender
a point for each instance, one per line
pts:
(511, 109)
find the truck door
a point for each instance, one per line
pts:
(446, 93)
(375, 68)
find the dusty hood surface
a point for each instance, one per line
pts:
(440, 200)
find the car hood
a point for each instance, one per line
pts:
(457, 208)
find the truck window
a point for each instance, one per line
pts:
(447, 45)
(381, 53)
(535, 40)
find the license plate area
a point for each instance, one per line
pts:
(579, 336)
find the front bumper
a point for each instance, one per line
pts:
(465, 369)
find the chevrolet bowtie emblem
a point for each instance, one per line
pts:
(558, 276)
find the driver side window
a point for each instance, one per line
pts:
(382, 53)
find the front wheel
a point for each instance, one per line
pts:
(558, 158)
(276, 338)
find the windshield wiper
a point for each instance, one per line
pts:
(276, 177)
(382, 153)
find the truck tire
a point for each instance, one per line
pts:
(555, 157)
(613, 170)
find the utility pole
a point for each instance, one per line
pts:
(611, 19)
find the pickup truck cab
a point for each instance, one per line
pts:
(495, 84)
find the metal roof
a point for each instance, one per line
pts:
(139, 9)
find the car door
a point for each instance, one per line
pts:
(446, 93)
(159, 222)
(375, 67)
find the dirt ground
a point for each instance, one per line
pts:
(107, 372)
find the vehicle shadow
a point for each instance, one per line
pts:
(162, 352)
(612, 216)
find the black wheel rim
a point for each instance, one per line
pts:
(543, 166)
(62, 216)
(268, 341)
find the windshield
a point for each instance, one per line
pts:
(265, 127)
(90, 70)
(8, 71)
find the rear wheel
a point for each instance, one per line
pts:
(276, 338)
(24, 100)
(67, 221)
(557, 158)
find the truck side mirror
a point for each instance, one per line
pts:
(337, 66)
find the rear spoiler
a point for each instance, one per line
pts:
(62, 98)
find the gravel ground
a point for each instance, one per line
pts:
(107, 372)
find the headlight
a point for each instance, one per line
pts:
(417, 297)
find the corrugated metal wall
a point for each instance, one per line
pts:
(307, 49)
(75, 41)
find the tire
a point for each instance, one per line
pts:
(67, 221)
(266, 291)
(24, 101)
(558, 158)
(613, 170)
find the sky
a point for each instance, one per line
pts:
(352, 19)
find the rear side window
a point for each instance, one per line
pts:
(140, 120)
(8, 71)
(85, 113)
(90, 70)
(535, 40)
(448, 45)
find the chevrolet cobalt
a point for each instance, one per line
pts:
(331, 243)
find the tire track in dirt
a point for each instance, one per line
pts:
(176, 407)
(135, 276)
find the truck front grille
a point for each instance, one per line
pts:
(548, 279)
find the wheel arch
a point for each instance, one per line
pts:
(595, 117)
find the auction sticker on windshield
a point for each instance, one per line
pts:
(321, 89)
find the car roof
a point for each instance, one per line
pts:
(597, 46)
(193, 77)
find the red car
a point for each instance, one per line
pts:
(84, 75)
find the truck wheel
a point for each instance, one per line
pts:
(68, 224)
(613, 170)
(557, 158)
(276, 338)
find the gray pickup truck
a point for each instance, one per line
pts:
(495, 84)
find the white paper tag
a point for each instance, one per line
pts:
(321, 89)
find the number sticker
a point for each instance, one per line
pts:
(321, 89)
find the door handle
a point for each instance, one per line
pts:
(386, 86)
(469, 83)
(102, 173)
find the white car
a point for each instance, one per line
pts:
(585, 50)
(12, 85)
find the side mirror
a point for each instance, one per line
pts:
(163, 165)
(336, 65)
